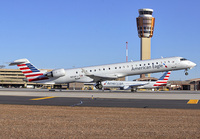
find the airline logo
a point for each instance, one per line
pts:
(163, 79)
(165, 65)
(31, 72)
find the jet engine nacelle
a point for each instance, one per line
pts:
(56, 73)
(126, 87)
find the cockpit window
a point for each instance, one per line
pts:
(183, 59)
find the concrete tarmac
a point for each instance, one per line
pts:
(161, 99)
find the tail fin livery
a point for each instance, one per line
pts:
(29, 70)
(162, 81)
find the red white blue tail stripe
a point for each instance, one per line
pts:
(31, 72)
(162, 81)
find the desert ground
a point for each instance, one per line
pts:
(29, 121)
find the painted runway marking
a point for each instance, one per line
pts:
(81, 102)
(42, 98)
(193, 101)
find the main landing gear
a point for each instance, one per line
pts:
(98, 85)
(133, 89)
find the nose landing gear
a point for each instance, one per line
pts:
(186, 71)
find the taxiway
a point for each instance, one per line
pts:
(162, 99)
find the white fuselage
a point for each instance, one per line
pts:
(129, 84)
(122, 69)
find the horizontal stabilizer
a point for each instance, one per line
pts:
(18, 62)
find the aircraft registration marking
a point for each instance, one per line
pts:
(193, 101)
(42, 98)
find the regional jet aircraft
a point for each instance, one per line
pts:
(133, 85)
(103, 72)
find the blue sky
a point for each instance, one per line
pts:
(78, 33)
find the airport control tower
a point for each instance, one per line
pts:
(145, 27)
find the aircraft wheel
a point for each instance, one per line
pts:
(133, 90)
(97, 86)
(100, 86)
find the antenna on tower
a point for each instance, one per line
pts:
(126, 51)
(126, 57)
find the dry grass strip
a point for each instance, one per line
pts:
(19, 121)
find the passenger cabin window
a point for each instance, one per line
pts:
(115, 67)
(77, 72)
(156, 62)
(90, 70)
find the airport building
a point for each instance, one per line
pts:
(11, 78)
(145, 28)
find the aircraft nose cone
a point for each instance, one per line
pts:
(192, 64)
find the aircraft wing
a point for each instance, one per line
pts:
(100, 77)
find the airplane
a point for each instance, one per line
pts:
(102, 72)
(134, 85)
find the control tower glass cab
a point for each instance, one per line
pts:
(145, 23)
(145, 27)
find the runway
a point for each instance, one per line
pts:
(164, 99)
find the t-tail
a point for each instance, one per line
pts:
(162, 81)
(29, 70)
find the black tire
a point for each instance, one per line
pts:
(100, 86)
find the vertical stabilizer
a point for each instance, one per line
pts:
(162, 81)
(29, 70)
